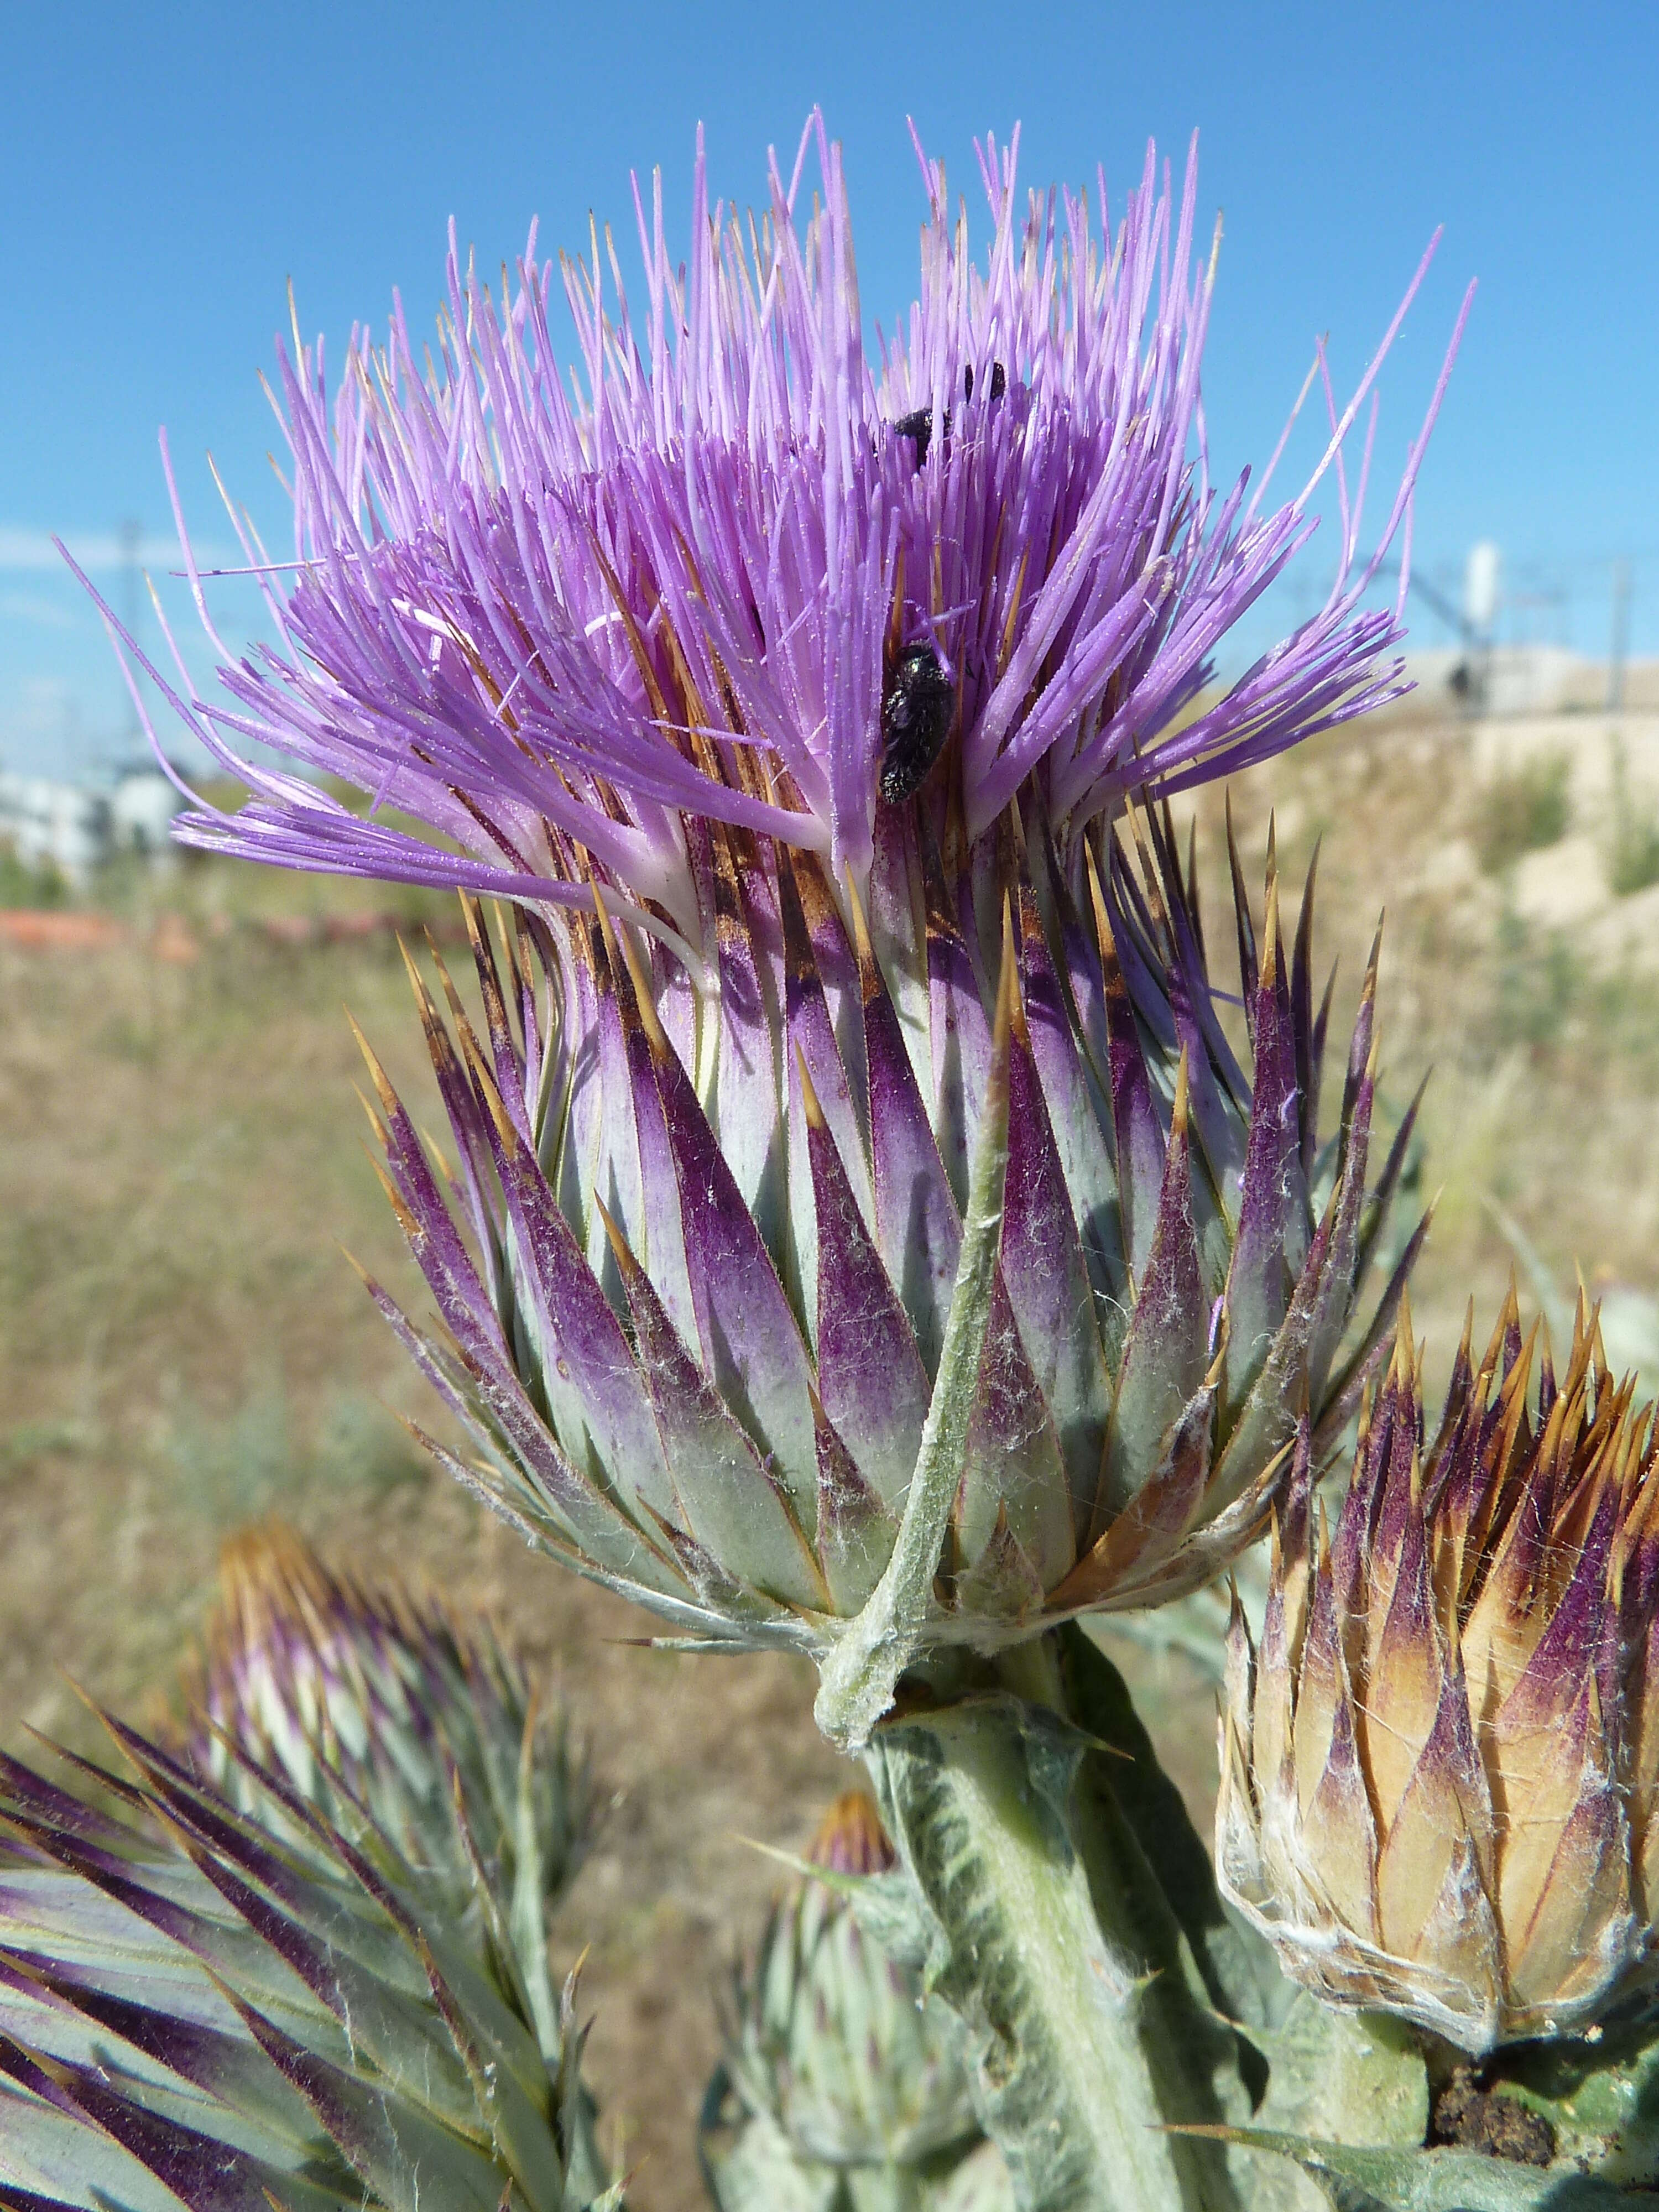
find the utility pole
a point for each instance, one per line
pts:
(1619, 643)
(1482, 573)
(131, 535)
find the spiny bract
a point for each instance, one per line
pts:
(195, 2018)
(706, 1358)
(1440, 1772)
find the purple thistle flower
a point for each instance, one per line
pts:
(553, 622)
(863, 1235)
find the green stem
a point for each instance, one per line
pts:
(1032, 1672)
(1090, 2029)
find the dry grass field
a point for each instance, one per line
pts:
(182, 1347)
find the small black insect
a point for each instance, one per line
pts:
(918, 425)
(916, 715)
(999, 381)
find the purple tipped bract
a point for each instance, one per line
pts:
(1440, 1765)
(736, 568)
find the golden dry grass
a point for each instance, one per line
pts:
(1541, 1051)
(183, 1345)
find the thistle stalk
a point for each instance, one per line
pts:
(1090, 2027)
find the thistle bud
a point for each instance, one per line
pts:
(1438, 1772)
(368, 1702)
(836, 2063)
(192, 2013)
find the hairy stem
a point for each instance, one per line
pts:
(1092, 2029)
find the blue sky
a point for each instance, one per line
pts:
(167, 170)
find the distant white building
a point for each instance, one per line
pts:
(50, 824)
(141, 806)
(76, 827)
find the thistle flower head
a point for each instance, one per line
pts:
(192, 2013)
(369, 1703)
(871, 1218)
(1439, 1772)
(738, 571)
(833, 2053)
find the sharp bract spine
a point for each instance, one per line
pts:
(696, 1257)
(1440, 1770)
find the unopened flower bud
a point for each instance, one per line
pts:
(1438, 1772)
(833, 2053)
(368, 1701)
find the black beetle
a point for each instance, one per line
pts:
(918, 425)
(916, 716)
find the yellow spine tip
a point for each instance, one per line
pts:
(619, 1244)
(809, 1097)
(387, 1096)
(618, 936)
(1007, 993)
(1270, 947)
(863, 951)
